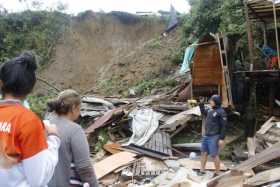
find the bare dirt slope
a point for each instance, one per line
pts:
(100, 47)
(151, 60)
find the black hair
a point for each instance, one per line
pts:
(18, 75)
(64, 102)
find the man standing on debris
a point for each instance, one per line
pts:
(214, 132)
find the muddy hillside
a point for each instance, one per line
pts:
(98, 48)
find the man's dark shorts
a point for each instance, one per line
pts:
(210, 145)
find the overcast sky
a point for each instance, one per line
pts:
(76, 6)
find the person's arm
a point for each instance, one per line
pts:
(203, 110)
(223, 123)
(81, 156)
(39, 168)
(39, 154)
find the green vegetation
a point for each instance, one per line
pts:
(214, 16)
(31, 30)
(154, 43)
(211, 16)
(144, 87)
(38, 104)
(176, 56)
(109, 86)
(102, 139)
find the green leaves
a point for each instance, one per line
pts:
(214, 16)
(31, 30)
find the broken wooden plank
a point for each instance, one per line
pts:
(178, 130)
(178, 106)
(100, 122)
(264, 177)
(189, 146)
(261, 158)
(113, 148)
(234, 179)
(180, 119)
(195, 164)
(266, 126)
(112, 163)
(229, 178)
(92, 99)
(151, 99)
(109, 179)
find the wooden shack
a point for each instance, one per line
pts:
(209, 71)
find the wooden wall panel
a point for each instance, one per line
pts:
(207, 68)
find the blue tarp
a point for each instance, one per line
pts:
(187, 60)
(268, 51)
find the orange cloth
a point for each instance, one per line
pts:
(272, 62)
(22, 133)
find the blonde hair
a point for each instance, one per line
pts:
(64, 102)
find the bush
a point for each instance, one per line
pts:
(31, 30)
(154, 44)
(144, 87)
(38, 104)
(177, 56)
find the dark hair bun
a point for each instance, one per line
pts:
(53, 105)
(64, 102)
(18, 75)
(28, 60)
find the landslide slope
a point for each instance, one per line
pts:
(119, 48)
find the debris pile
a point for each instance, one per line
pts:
(140, 151)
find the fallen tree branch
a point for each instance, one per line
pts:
(47, 83)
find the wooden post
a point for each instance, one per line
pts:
(264, 34)
(276, 32)
(249, 35)
(271, 98)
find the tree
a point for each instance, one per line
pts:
(214, 16)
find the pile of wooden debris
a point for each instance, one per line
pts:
(140, 151)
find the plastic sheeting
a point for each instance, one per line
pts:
(144, 124)
(187, 60)
(173, 22)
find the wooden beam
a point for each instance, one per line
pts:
(266, 126)
(256, 14)
(276, 32)
(264, 34)
(48, 84)
(271, 175)
(271, 97)
(261, 158)
(249, 35)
